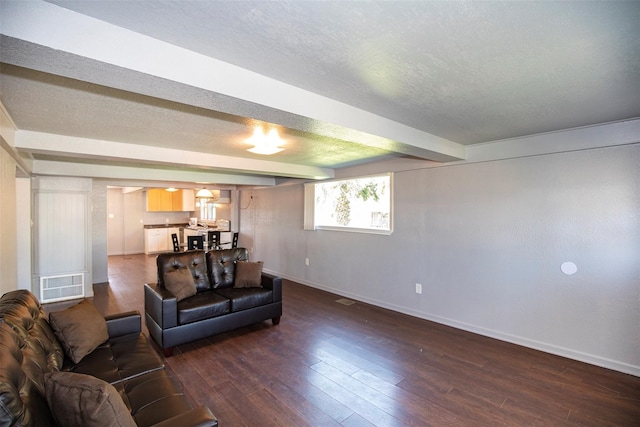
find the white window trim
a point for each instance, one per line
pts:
(309, 208)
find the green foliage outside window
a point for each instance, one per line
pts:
(354, 203)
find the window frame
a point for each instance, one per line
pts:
(310, 220)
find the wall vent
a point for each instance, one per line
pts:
(62, 287)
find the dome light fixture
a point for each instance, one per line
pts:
(265, 144)
(204, 193)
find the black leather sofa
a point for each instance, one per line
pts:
(30, 354)
(218, 306)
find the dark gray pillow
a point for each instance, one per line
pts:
(248, 274)
(85, 401)
(179, 281)
(80, 329)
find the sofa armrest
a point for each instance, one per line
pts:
(123, 324)
(269, 281)
(161, 305)
(198, 417)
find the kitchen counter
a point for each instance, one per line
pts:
(183, 225)
(158, 237)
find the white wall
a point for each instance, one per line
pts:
(23, 230)
(115, 221)
(99, 232)
(8, 242)
(486, 240)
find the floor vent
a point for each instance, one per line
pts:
(61, 288)
(345, 301)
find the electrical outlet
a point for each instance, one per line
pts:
(418, 288)
(306, 261)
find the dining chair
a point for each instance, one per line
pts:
(176, 243)
(213, 237)
(195, 242)
(234, 242)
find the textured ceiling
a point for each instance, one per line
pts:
(466, 72)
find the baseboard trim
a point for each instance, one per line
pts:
(514, 339)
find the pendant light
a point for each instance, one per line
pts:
(204, 193)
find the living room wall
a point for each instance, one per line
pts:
(8, 243)
(486, 240)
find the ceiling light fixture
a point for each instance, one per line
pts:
(265, 144)
(203, 193)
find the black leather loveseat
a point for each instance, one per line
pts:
(120, 382)
(218, 302)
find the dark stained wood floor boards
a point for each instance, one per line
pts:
(328, 364)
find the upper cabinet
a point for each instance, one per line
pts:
(188, 200)
(161, 200)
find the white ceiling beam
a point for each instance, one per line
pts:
(68, 32)
(7, 142)
(85, 148)
(137, 174)
(583, 138)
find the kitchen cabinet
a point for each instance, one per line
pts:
(188, 200)
(155, 240)
(159, 239)
(161, 200)
(176, 200)
(170, 231)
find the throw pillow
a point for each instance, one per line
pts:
(179, 282)
(85, 401)
(80, 329)
(248, 274)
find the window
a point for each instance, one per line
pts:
(207, 210)
(359, 204)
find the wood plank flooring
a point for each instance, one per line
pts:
(329, 364)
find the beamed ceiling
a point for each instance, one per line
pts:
(171, 90)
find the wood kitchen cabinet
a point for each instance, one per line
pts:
(161, 200)
(158, 200)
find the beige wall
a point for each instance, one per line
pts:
(8, 241)
(486, 240)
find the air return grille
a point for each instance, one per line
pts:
(60, 288)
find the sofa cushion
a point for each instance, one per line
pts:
(193, 260)
(248, 274)
(80, 329)
(154, 397)
(85, 401)
(179, 281)
(245, 298)
(120, 359)
(222, 266)
(203, 305)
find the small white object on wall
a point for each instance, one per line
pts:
(569, 268)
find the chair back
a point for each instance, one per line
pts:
(195, 242)
(213, 238)
(176, 243)
(234, 242)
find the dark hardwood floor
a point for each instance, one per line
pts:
(329, 364)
